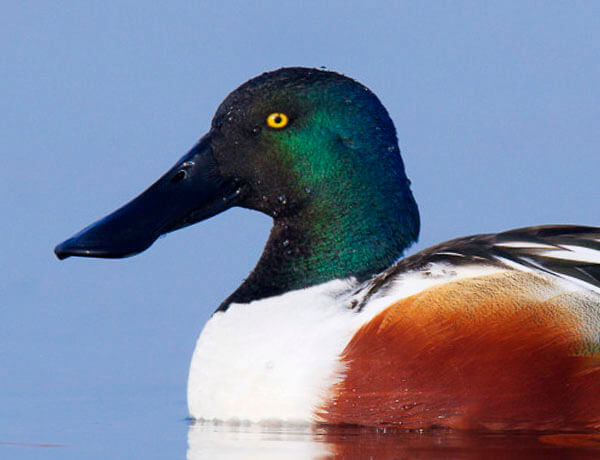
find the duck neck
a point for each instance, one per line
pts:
(341, 237)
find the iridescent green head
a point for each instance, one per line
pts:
(334, 141)
(315, 150)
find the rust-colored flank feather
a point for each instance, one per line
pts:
(471, 354)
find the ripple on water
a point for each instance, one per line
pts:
(280, 441)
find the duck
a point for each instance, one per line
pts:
(335, 325)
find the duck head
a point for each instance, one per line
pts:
(314, 150)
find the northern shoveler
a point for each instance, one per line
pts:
(497, 331)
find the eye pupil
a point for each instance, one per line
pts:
(277, 120)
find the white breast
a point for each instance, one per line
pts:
(273, 359)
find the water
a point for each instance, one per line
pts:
(226, 442)
(125, 427)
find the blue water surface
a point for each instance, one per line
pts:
(496, 108)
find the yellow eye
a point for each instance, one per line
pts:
(277, 120)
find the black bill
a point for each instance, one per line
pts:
(191, 191)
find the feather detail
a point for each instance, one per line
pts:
(566, 251)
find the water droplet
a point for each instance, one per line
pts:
(307, 190)
(286, 243)
(282, 199)
(229, 118)
(265, 197)
(391, 148)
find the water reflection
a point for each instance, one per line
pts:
(210, 441)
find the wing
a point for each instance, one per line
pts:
(568, 252)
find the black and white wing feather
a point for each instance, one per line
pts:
(566, 251)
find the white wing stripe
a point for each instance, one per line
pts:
(575, 253)
(524, 245)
